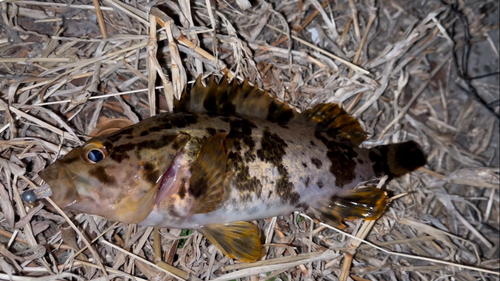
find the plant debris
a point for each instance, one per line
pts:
(426, 70)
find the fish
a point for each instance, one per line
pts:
(230, 153)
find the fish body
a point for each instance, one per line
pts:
(270, 171)
(231, 154)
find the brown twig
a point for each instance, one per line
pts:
(100, 19)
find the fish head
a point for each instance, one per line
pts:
(116, 176)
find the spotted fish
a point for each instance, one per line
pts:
(229, 154)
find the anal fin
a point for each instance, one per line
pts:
(367, 203)
(239, 240)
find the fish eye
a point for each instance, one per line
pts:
(94, 153)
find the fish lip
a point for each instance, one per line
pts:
(64, 192)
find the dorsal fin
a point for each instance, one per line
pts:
(335, 122)
(234, 99)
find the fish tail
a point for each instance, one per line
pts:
(395, 160)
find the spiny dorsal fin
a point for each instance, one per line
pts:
(232, 98)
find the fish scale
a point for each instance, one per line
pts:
(230, 154)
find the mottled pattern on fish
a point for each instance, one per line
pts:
(230, 153)
(271, 172)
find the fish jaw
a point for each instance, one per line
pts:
(64, 192)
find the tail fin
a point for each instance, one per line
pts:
(397, 159)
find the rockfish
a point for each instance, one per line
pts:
(230, 153)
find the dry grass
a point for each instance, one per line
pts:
(407, 69)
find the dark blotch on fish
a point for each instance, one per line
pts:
(241, 132)
(316, 162)
(272, 148)
(302, 206)
(211, 131)
(342, 160)
(157, 143)
(225, 119)
(169, 121)
(148, 167)
(187, 120)
(272, 151)
(278, 113)
(152, 176)
(156, 129)
(196, 142)
(343, 164)
(179, 142)
(100, 174)
(116, 136)
(320, 183)
(121, 152)
(242, 179)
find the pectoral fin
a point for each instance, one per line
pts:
(208, 181)
(239, 240)
(367, 203)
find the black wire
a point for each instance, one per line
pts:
(464, 66)
(494, 102)
(485, 75)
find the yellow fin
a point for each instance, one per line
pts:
(207, 184)
(239, 240)
(367, 203)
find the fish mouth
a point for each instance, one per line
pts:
(176, 175)
(64, 192)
